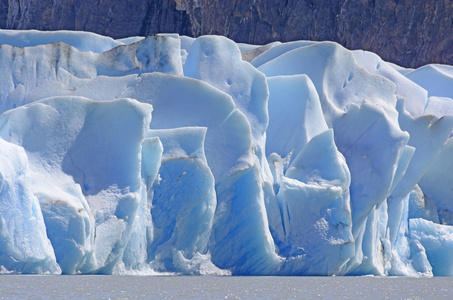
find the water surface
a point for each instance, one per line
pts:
(222, 287)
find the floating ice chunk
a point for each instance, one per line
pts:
(83, 41)
(201, 263)
(438, 243)
(24, 246)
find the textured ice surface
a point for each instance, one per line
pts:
(175, 154)
(83, 41)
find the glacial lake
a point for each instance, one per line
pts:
(222, 287)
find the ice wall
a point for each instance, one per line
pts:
(174, 154)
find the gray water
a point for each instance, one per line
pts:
(206, 287)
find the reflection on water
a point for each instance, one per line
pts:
(183, 287)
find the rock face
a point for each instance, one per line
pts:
(406, 32)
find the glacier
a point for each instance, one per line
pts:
(201, 156)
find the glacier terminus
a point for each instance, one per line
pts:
(203, 156)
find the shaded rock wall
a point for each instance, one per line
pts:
(409, 33)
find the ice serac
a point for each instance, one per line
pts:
(311, 182)
(437, 241)
(217, 61)
(427, 139)
(32, 73)
(338, 79)
(295, 115)
(135, 256)
(437, 182)
(69, 222)
(377, 156)
(314, 203)
(24, 246)
(89, 150)
(408, 255)
(421, 206)
(183, 204)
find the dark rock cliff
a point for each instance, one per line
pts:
(407, 32)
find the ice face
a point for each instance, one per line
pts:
(24, 245)
(184, 200)
(436, 240)
(314, 202)
(178, 155)
(88, 156)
